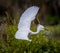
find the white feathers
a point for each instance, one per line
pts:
(25, 22)
(28, 16)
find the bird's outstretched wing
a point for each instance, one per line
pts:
(29, 14)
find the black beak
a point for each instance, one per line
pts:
(46, 29)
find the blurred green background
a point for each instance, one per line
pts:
(47, 41)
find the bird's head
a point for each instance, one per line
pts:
(40, 27)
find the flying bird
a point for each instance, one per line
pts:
(25, 22)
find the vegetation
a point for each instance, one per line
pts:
(40, 42)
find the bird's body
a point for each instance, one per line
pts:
(25, 22)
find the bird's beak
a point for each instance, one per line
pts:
(46, 29)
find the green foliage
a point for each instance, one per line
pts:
(39, 44)
(55, 30)
(52, 20)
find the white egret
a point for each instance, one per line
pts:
(25, 22)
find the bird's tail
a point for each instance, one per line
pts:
(17, 35)
(39, 28)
